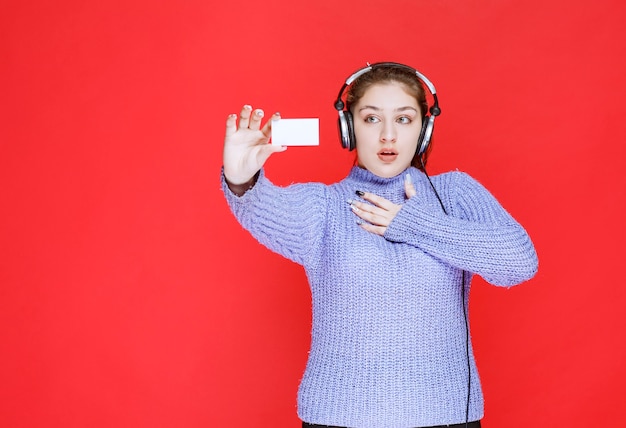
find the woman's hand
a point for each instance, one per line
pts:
(246, 145)
(379, 215)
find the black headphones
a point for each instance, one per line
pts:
(346, 121)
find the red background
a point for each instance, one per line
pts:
(130, 296)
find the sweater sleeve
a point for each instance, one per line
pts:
(477, 235)
(287, 220)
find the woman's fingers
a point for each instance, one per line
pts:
(255, 119)
(266, 150)
(247, 126)
(267, 129)
(378, 230)
(379, 205)
(244, 116)
(231, 125)
(244, 120)
(369, 213)
(409, 188)
(378, 214)
(250, 119)
(378, 201)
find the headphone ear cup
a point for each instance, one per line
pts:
(352, 137)
(428, 124)
(346, 130)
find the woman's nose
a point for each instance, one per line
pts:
(388, 134)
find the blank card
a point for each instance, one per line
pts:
(296, 132)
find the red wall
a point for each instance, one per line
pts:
(130, 297)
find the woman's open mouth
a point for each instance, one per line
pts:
(387, 155)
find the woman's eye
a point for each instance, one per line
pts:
(404, 120)
(371, 119)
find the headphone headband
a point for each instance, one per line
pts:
(434, 110)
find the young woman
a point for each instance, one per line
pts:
(389, 256)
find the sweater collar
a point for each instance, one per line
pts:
(391, 188)
(361, 174)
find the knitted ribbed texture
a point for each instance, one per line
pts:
(388, 334)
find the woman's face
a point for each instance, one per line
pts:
(387, 124)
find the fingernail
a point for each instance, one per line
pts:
(259, 113)
(408, 178)
(359, 222)
(359, 193)
(247, 107)
(349, 201)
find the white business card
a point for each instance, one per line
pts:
(296, 132)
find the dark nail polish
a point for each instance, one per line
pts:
(360, 193)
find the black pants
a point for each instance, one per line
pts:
(475, 424)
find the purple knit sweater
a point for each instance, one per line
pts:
(388, 341)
